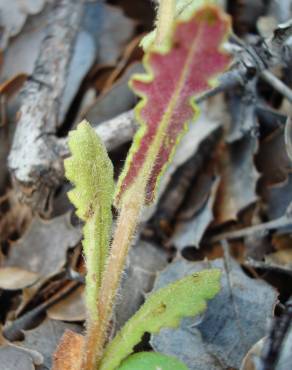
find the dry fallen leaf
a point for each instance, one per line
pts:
(237, 189)
(44, 241)
(70, 308)
(252, 360)
(190, 233)
(272, 160)
(278, 198)
(282, 259)
(13, 278)
(252, 355)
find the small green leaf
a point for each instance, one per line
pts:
(163, 308)
(151, 361)
(91, 171)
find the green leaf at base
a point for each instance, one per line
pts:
(151, 361)
(163, 308)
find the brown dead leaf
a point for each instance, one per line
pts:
(254, 352)
(272, 160)
(14, 278)
(71, 308)
(278, 198)
(132, 53)
(237, 189)
(11, 86)
(190, 232)
(100, 75)
(17, 216)
(281, 258)
(69, 352)
(44, 246)
(281, 242)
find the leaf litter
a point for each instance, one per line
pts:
(230, 179)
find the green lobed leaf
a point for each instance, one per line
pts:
(163, 308)
(151, 361)
(91, 171)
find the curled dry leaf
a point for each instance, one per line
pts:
(17, 217)
(70, 308)
(190, 233)
(272, 159)
(237, 189)
(13, 278)
(281, 259)
(252, 356)
(278, 198)
(44, 241)
(253, 359)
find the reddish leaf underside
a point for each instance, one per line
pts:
(174, 78)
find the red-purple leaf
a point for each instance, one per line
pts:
(175, 75)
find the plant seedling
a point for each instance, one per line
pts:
(179, 66)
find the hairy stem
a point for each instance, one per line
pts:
(165, 18)
(98, 330)
(92, 281)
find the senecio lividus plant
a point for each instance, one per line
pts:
(180, 60)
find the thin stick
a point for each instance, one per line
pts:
(261, 228)
(277, 84)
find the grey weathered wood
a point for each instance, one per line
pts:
(33, 158)
(114, 132)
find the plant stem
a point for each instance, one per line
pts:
(98, 330)
(93, 264)
(165, 18)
